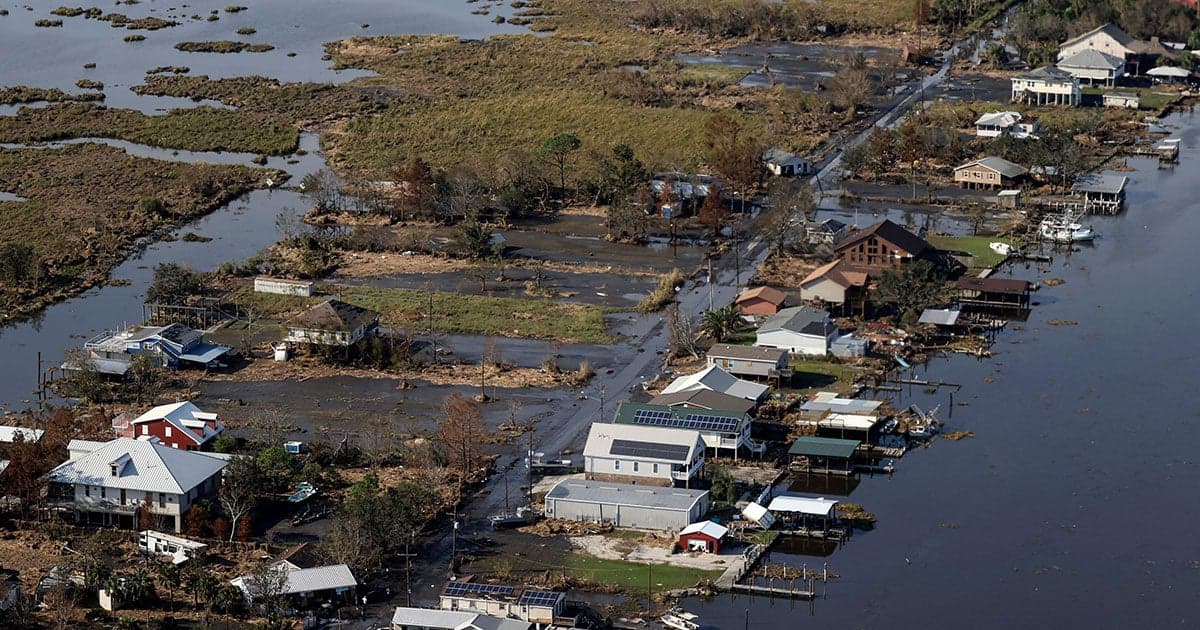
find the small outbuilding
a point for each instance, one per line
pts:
(1127, 100)
(784, 164)
(1169, 74)
(826, 232)
(760, 301)
(823, 455)
(704, 536)
(1008, 198)
(284, 286)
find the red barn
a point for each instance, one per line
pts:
(703, 536)
(180, 425)
(760, 301)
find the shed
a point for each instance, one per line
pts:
(760, 301)
(784, 164)
(849, 346)
(759, 515)
(1008, 198)
(283, 286)
(749, 360)
(624, 505)
(1128, 100)
(820, 454)
(704, 536)
(941, 317)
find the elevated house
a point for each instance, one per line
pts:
(623, 505)
(749, 361)
(996, 124)
(1094, 67)
(173, 346)
(178, 425)
(837, 284)
(784, 164)
(705, 400)
(800, 330)
(1101, 193)
(643, 454)
(1047, 86)
(760, 301)
(107, 483)
(1001, 293)
(716, 379)
(991, 173)
(1114, 42)
(884, 245)
(720, 430)
(307, 588)
(332, 323)
(529, 605)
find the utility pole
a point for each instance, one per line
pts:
(737, 260)
(710, 282)
(602, 391)
(432, 339)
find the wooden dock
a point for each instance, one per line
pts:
(775, 591)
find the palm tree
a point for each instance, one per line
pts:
(721, 323)
(170, 577)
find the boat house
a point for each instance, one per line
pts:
(1000, 293)
(1100, 193)
(804, 514)
(823, 455)
(623, 505)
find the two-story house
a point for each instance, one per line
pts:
(107, 483)
(881, 246)
(173, 346)
(178, 425)
(332, 323)
(729, 430)
(644, 455)
(1047, 86)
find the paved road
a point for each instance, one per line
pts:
(648, 335)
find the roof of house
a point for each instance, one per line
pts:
(892, 232)
(994, 285)
(705, 399)
(1123, 95)
(656, 497)
(717, 379)
(708, 528)
(848, 422)
(819, 506)
(1047, 74)
(141, 465)
(643, 442)
(747, 353)
(186, 418)
(1110, 29)
(301, 556)
(1092, 60)
(335, 315)
(488, 622)
(803, 320)
(9, 434)
(830, 401)
(679, 418)
(830, 226)
(998, 119)
(326, 578)
(838, 273)
(823, 447)
(779, 156)
(431, 617)
(940, 316)
(1099, 183)
(997, 164)
(1168, 71)
(767, 294)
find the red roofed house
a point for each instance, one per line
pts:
(760, 301)
(834, 283)
(180, 425)
(703, 536)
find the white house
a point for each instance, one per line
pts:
(996, 124)
(499, 600)
(1047, 86)
(717, 379)
(1094, 67)
(728, 430)
(283, 286)
(331, 582)
(106, 483)
(332, 323)
(1112, 41)
(406, 618)
(639, 454)
(799, 329)
(784, 164)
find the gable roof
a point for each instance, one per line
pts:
(1047, 74)
(704, 399)
(823, 447)
(335, 315)
(890, 231)
(779, 156)
(142, 465)
(997, 164)
(644, 443)
(994, 285)
(650, 415)
(717, 379)
(1092, 59)
(838, 273)
(186, 418)
(747, 353)
(803, 320)
(708, 528)
(767, 294)
(998, 119)
(1110, 29)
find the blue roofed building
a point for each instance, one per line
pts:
(173, 347)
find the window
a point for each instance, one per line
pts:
(167, 431)
(616, 464)
(112, 469)
(145, 429)
(162, 499)
(635, 466)
(655, 469)
(87, 491)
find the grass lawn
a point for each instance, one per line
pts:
(1151, 98)
(820, 376)
(633, 577)
(270, 304)
(979, 247)
(483, 315)
(714, 74)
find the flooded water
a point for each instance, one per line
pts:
(1073, 506)
(54, 57)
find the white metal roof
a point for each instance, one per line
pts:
(657, 497)
(186, 418)
(431, 617)
(602, 435)
(850, 421)
(1168, 71)
(718, 380)
(830, 401)
(141, 465)
(998, 119)
(819, 506)
(758, 514)
(940, 316)
(708, 528)
(9, 434)
(327, 578)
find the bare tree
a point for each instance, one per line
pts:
(681, 333)
(461, 432)
(267, 585)
(241, 485)
(60, 604)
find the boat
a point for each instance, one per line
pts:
(514, 518)
(680, 619)
(304, 491)
(1065, 230)
(1004, 249)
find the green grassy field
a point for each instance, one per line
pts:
(483, 315)
(979, 247)
(1151, 98)
(820, 376)
(633, 577)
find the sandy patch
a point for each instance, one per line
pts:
(651, 549)
(784, 271)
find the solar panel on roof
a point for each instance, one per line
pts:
(634, 448)
(539, 598)
(460, 589)
(694, 421)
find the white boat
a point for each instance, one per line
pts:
(680, 619)
(1004, 249)
(1067, 232)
